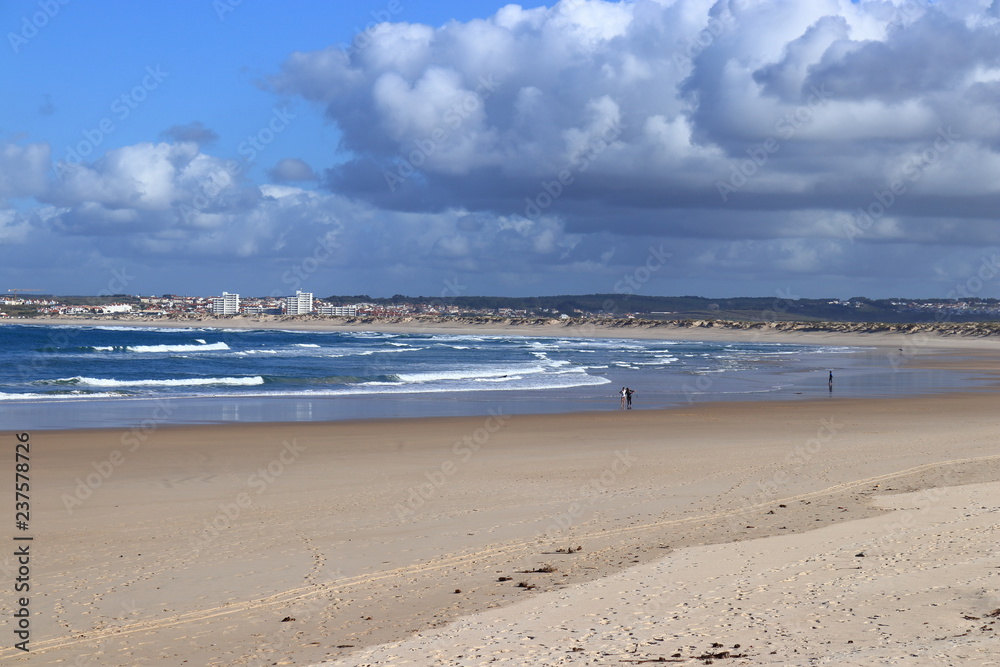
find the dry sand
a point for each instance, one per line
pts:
(915, 587)
(385, 543)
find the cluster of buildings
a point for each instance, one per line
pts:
(302, 303)
(232, 304)
(942, 309)
(305, 303)
(106, 309)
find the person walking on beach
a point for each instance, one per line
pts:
(628, 397)
(624, 395)
(830, 381)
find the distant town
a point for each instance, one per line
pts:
(20, 303)
(230, 304)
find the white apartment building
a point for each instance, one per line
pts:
(300, 304)
(338, 311)
(227, 304)
(116, 308)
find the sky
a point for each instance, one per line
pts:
(666, 147)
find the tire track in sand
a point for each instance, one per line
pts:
(317, 589)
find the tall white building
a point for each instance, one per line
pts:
(338, 311)
(227, 304)
(300, 304)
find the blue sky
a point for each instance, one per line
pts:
(740, 147)
(213, 54)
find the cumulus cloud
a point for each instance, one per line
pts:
(817, 101)
(23, 169)
(172, 202)
(771, 141)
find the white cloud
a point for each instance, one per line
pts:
(23, 169)
(13, 227)
(635, 110)
(694, 85)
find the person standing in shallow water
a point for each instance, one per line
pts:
(623, 393)
(829, 382)
(628, 397)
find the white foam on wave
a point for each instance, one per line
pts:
(171, 330)
(472, 374)
(178, 382)
(531, 383)
(208, 347)
(305, 345)
(368, 353)
(59, 397)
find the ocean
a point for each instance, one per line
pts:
(112, 376)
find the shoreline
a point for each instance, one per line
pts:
(956, 336)
(976, 358)
(364, 532)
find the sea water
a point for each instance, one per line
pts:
(111, 376)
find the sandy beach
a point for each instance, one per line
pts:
(912, 340)
(582, 539)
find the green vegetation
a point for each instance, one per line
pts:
(98, 300)
(749, 309)
(20, 310)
